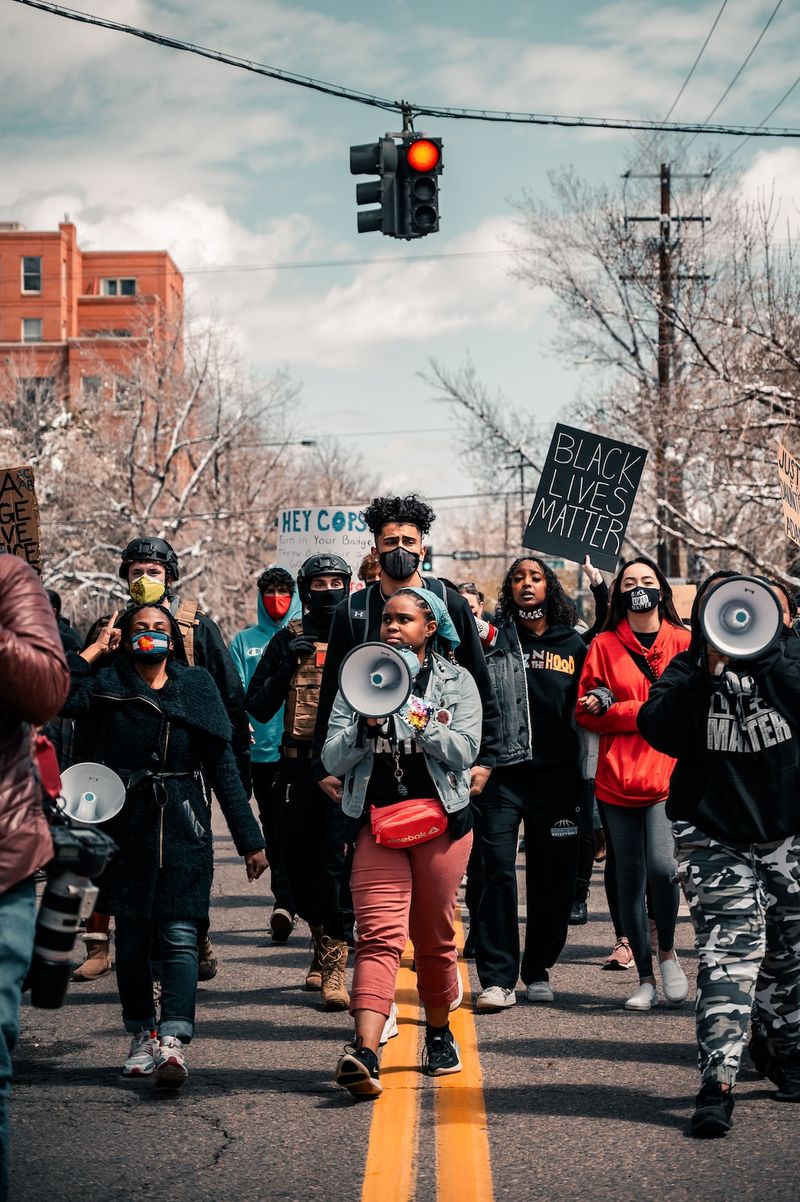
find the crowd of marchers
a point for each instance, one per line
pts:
(630, 740)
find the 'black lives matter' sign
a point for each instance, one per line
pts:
(19, 515)
(585, 497)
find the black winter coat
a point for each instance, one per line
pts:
(164, 865)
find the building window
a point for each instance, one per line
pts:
(92, 387)
(122, 287)
(31, 329)
(36, 390)
(31, 273)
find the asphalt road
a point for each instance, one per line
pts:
(582, 1100)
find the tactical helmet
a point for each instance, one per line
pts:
(154, 550)
(321, 565)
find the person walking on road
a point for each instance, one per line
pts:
(414, 764)
(643, 633)
(733, 727)
(161, 726)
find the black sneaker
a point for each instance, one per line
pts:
(440, 1054)
(713, 1110)
(786, 1075)
(579, 914)
(358, 1072)
(758, 1049)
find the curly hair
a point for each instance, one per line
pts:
(413, 510)
(276, 580)
(560, 610)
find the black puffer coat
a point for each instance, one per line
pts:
(164, 865)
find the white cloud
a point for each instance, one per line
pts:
(774, 178)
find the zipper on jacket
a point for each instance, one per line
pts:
(161, 815)
(525, 689)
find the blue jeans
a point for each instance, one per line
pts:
(176, 941)
(17, 923)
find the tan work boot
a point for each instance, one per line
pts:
(206, 961)
(98, 958)
(334, 981)
(314, 974)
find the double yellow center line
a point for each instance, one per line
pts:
(463, 1168)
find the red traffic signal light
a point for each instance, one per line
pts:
(423, 155)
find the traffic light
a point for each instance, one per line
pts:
(381, 159)
(427, 562)
(420, 168)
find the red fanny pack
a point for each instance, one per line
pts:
(408, 823)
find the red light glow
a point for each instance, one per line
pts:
(423, 155)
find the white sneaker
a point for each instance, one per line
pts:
(645, 998)
(495, 998)
(171, 1070)
(389, 1027)
(539, 991)
(142, 1056)
(456, 1002)
(675, 982)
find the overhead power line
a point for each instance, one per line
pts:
(403, 107)
(771, 113)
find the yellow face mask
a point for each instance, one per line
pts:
(146, 591)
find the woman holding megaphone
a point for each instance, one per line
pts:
(406, 793)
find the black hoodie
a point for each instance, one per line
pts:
(736, 738)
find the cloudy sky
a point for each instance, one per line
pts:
(233, 173)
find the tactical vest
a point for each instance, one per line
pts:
(187, 619)
(302, 702)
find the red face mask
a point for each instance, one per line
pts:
(277, 604)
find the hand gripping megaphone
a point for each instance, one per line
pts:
(741, 617)
(91, 793)
(376, 679)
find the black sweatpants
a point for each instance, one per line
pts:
(269, 811)
(314, 850)
(549, 802)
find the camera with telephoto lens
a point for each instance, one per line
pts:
(68, 899)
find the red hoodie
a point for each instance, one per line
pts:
(629, 771)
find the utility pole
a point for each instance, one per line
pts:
(668, 546)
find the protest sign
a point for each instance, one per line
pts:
(789, 482)
(585, 496)
(334, 530)
(683, 596)
(19, 515)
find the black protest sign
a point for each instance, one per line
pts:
(19, 515)
(585, 497)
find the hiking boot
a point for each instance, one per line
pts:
(334, 981)
(786, 1075)
(621, 957)
(358, 1072)
(579, 914)
(440, 1054)
(142, 1055)
(207, 962)
(281, 924)
(314, 974)
(713, 1110)
(171, 1071)
(98, 958)
(495, 997)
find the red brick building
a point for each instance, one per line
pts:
(71, 320)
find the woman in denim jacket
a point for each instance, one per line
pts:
(424, 751)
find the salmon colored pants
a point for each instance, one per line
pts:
(397, 894)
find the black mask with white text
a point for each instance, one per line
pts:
(641, 600)
(399, 563)
(532, 615)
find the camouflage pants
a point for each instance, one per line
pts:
(745, 907)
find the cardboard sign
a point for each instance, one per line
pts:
(19, 515)
(585, 497)
(335, 530)
(683, 596)
(789, 482)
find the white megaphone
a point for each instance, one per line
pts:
(376, 679)
(741, 617)
(91, 793)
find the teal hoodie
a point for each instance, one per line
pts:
(246, 649)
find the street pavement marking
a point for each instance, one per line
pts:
(391, 1168)
(463, 1164)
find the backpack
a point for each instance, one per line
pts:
(357, 606)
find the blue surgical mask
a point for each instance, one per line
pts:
(152, 645)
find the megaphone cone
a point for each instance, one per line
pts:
(375, 679)
(741, 617)
(91, 793)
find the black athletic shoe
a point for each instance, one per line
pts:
(713, 1110)
(440, 1054)
(358, 1072)
(758, 1049)
(786, 1075)
(579, 914)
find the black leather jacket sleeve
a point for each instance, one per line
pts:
(211, 653)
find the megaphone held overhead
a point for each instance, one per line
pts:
(741, 617)
(376, 679)
(91, 793)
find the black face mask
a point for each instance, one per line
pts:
(641, 600)
(399, 563)
(322, 602)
